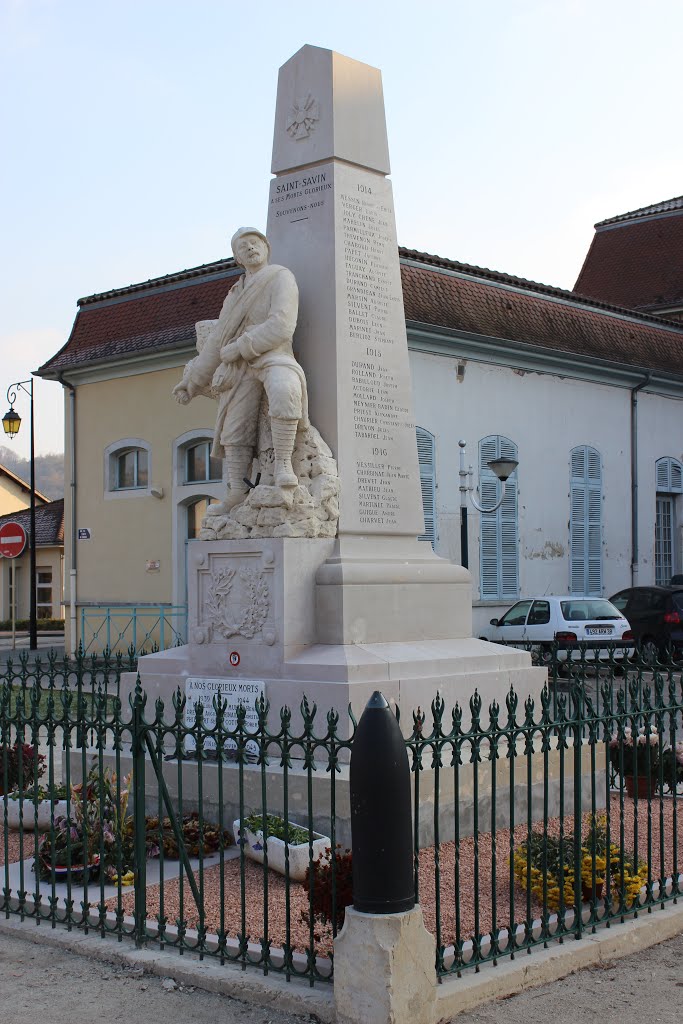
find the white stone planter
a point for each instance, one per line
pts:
(298, 853)
(30, 815)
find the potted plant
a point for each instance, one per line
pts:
(672, 766)
(22, 760)
(34, 807)
(28, 804)
(94, 835)
(548, 867)
(635, 756)
(329, 886)
(285, 841)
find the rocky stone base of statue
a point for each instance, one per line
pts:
(309, 510)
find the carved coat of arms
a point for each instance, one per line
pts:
(237, 602)
(302, 117)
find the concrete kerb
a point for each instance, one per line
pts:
(453, 996)
(542, 966)
(295, 996)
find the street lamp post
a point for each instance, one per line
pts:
(503, 468)
(11, 422)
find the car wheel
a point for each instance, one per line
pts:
(649, 652)
(544, 656)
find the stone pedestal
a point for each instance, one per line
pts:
(256, 612)
(384, 969)
(373, 591)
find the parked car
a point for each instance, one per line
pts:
(566, 624)
(655, 615)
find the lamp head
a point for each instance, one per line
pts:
(11, 422)
(503, 468)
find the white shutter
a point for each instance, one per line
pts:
(669, 476)
(498, 538)
(662, 474)
(426, 459)
(585, 523)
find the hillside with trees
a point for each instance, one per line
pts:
(49, 470)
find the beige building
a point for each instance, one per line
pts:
(15, 493)
(49, 565)
(136, 463)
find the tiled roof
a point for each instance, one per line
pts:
(636, 260)
(160, 315)
(645, 211)
(49, 522)
(156, 315)
(550, 319)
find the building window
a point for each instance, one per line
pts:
(669, 476)
(498, 539)
(14, 589)
(200, 466)
(44, 592)
(426, 450)
(664, 540)
(131, 469)
(127, 468)
(195, 513)
(585, 522)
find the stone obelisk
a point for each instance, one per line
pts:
(331, 221)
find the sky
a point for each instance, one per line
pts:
(136, 135)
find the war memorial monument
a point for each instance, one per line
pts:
(308, 578)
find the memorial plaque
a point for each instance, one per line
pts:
(236, 692)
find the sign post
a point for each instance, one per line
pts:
(12, 543)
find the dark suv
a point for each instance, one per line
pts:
(655, 615)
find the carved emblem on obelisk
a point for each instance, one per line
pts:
(302, 117)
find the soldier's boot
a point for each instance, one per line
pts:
(238, 460)
(284, 436)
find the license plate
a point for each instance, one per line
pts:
(598, 630)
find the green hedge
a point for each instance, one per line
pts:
(44, 625)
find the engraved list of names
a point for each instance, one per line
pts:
(378, 376)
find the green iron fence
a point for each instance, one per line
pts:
(54, 670)
(564, 811)
(211, 831)
(140, 627)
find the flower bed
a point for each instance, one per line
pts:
(546, 864)
(456, 885)
(98, 832)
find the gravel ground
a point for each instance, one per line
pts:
(13, 846)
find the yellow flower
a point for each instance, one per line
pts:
(127, 879)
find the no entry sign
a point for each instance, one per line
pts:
(12, 540)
